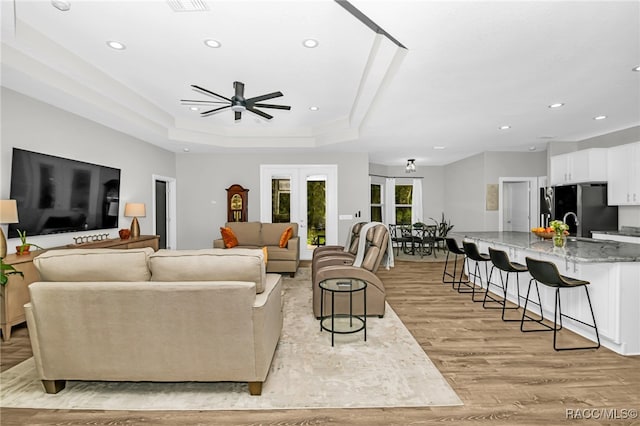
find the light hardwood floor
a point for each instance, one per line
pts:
(502, 375)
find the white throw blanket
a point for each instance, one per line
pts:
(387, 261)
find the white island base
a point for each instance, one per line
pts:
(614, 288)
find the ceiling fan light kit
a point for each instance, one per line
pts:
(237, 103)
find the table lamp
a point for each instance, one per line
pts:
(135, 210)
(8, 214)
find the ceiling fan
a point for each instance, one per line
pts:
(237, 102)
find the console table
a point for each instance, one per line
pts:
(15, 293)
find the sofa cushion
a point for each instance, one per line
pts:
(279, 253)
(285, 237)
(271, 232)
(75, 265)
(247, 233)
(209, 265)
(229, 237)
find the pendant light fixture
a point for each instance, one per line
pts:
(411, 165)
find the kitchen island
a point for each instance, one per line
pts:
(612, 268)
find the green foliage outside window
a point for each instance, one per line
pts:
(376, 214)
(316, 210)
(376, 194)
(404, 194)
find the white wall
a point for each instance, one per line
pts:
(467, 180)
(32, 125)
(203, 179)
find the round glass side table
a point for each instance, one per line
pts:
(343, 323)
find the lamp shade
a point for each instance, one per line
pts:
(134, 210)
(8, 211)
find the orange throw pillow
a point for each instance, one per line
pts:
(286, 236)
(228, 237)
(266, 254)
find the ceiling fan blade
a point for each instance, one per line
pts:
(196, 102)
(260, 113)
(264, 97)
(208, 92)
(272, 106)
(238, 115)
(239, 89)
(213, 111)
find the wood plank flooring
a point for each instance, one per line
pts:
(502, 375)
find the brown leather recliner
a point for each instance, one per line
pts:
(334, 250)
(377, 241)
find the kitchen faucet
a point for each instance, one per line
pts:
(564, 219)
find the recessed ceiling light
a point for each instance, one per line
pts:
(61, 5)
(212, 43)
(310, 43)
(532, 148)
(636, 68)
(438, 147)
(314, 108)
(194, 108)
(185, 149)
(504, 127)
(600, 117)
(556, 105)
(116, 45)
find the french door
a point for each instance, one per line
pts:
(302, 194)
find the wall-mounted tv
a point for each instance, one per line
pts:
(57, 195)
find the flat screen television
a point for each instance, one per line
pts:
(57, 194)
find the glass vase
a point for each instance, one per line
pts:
(559, 240)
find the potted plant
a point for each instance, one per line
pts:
(5, 271)
(25, 246)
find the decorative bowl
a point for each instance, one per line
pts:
(544, 235)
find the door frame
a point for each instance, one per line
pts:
(171, 208)
(533, 199)
(299, 173)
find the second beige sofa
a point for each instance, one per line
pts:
(258, 234)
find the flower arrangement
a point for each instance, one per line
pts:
(559, 227)
(561, 230)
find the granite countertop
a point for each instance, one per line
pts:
(627, 231)
(580, 250)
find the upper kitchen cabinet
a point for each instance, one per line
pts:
(624, 175)
(587, 165)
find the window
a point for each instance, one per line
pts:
(376, 202)
(403, 204)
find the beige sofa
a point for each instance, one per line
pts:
(258, 235)
(170, 316)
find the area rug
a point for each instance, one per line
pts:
(390, 369)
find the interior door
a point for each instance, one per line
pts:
(516, 207)
(302, 194)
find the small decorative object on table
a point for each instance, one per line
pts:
(124, 234)
(25, 246)
(560, 232)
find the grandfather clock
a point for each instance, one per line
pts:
(237, 200)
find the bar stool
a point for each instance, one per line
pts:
(547, 273)
(500, 260)
(472, 252)
(452, 247)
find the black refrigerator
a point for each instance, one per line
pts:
(589, 202)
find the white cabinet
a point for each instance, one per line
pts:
(624, 175)
(587, 165)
